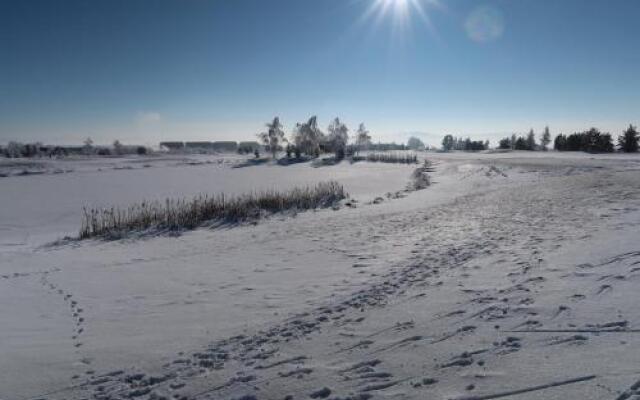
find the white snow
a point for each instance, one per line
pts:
(500, 242)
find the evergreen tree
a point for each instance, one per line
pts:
(560, 143)
(505, 143)
(521, 144)
(628, 141)
(531, 140)
(546, 139)
(594, 141)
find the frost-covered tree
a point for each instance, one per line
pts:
(307, 137)
(337, 138)
(628, 141)
(88, 146)
(363, 140)
(545, 139)
(273, 137)
(117, 147)
(415, 143)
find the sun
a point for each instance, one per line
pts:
(401, 11)
(398, 3)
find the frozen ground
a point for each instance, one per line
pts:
(514, 273)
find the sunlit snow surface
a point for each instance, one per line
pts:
(424, 287)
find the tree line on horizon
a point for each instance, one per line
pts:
(527, 142)
(591, 141)
(451, 142)
(309, 140)
(15, 149)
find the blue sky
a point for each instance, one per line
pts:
(144, 71)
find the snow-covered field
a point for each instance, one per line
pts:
(45, 206)
(514, 273)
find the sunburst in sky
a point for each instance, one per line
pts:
(402, 12)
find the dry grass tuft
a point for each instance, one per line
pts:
(175, 215)
(392, 158)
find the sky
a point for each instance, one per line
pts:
(143, 71)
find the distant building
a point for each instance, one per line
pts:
(199, 147)
(225, 146)
(172, 146)
(387, 146)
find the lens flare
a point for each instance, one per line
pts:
(484, 24)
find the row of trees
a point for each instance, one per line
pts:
(17, 149)
(592, 141)
(30, 150)
(309, 139)
(528, 142)
(117, 149)
(457, 143)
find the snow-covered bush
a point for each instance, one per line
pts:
(420, 178)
